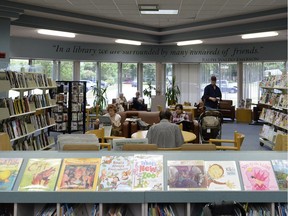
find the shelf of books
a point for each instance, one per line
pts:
(140, 183)
(69, 112)
(275, 95)
(27, 118)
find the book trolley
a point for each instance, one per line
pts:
(185, 202)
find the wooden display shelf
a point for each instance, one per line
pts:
(244, 115)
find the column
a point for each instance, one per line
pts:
(76, 70)
(240, 82)
(160, 78)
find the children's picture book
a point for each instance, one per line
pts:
(78, 174)
(281, 173)
(258, 176)
(186, 175)
(9, 169)
(115, 173)
(222, 175)
(148, 172)
(40, 174)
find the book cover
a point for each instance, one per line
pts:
(222, 175)
(40, 174)
(281, 173)
(115, 173)
(186, 175)
(148, 172)
(258, 176)
(78, 174)
(9, 169)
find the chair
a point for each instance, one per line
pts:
(238, 140)
(139, 147)
(198, 147)
(169, 149)
(100, 134)
(281, 142)
(81, 147)
(5, 144)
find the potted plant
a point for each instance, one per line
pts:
(148, 91)
(100, 98)
(172, 92)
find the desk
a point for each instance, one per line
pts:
(244, 115)
(191, 109)
(188, 136)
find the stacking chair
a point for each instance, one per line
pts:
(139, 147)
(100, 134)
(237, 142)
(198, 147)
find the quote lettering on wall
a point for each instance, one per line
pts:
(204, 54)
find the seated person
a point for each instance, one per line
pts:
(115, 120)
(121, 102)
(179, 115)
(137, 102)
(165, 134)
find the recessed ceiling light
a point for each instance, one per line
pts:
(130, 42)
(191, 42)
(56, 33)
(160, 12)
(148, 7)
(260, 35)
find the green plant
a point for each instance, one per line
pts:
(172, 92)
(148, 91)
(100, 97)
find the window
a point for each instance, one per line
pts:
(19, 64)
(109, 80)
(149, 76)
(129, 80)
(66, 71)
(206, 71)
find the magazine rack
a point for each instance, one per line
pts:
(185, 202)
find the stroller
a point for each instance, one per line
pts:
(211, 125)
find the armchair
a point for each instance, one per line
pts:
(227, 109)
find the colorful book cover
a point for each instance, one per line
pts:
(148, 172)
(258, 176)
(222, 175)
(281, 172)
(115, 173)
(78, 174)
(40, 175)
(9, 169)
(186, 175)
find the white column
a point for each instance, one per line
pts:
(76, 70)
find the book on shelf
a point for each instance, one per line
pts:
(9, 169)
(115, 173)
(79, 174)
(258, 176)
(222, 175)
(280, 168)
(186, 175)
(148, 172)
(40, 174)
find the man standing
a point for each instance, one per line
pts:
(212, 94)
(165, 134)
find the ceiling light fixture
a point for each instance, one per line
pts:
(160, 12)
(154, 9)
(191, 42)
(56, 33)
(260, 35)
(130, 42)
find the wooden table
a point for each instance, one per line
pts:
(188, 136)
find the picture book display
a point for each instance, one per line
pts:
(40, 174)
(9, 169)
(186, 175)
(78, 174)
(148, 172)
(281, 173)
(258, 176)
(115, 173)
(222, 175)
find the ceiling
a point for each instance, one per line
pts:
(99, 21)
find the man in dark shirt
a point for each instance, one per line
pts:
(212, 94)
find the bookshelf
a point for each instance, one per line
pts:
(138, 202)
(26, 118)
(275, 96)
(70, 110)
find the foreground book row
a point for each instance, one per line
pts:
(142, 173)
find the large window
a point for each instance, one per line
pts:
(228, 81)
(206, 71)
(149, 76)
(66, 71)
(43, 66)
(109, 79)
(19, 65)
(129, 80)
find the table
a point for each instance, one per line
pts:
(244, 115)
(188, 136)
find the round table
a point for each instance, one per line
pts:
(188, 136)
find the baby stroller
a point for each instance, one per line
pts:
(224, 208)
(211, 125)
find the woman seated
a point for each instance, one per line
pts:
(115, 120)
(179, 115)
(121, 102)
